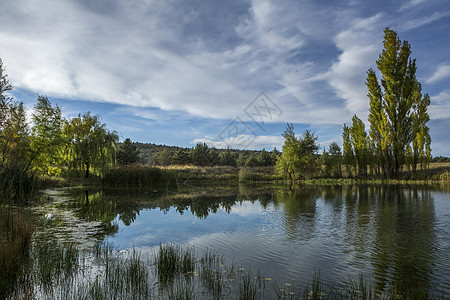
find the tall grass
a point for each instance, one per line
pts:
(172, 273)
(15, 240)
(172, 261)
(17, 182)
(138, 176)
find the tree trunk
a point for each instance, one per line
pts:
(87, 170)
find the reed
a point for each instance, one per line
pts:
(138, 176)
(17, 182)
(15, 240)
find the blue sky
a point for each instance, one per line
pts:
(177, 72)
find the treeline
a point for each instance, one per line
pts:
(199, 155)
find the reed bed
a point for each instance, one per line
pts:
(17, 182)
(139, 176)
(15, 241)
(61, 271)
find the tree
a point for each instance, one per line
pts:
(360, 144)
(348, 157)
(396, 106)
(298, 159)
(128, 153)
(5, 86)
(164, 157)
(202, 155)
(251, 161)
(47, 136)
(227, 158)
(91, 146)
(264, 159)
(181, 157)
(14, 142)
(332, 160)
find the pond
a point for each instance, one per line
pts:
(391, 235)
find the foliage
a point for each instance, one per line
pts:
(398, 111)
(227, 158)
(181, 157)
(202, 155)
(91, 146)
(298, 159)
(127, 153)
(360, 144)
(47, 138)
(264, 159)
(332, 160)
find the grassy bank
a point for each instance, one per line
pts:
(146, 177)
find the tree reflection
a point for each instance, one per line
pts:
(299, 207)
(405, 240)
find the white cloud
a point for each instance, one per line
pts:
(440, 105)
(411, 4)
(249, 142)
(442, 72)
(359, 46)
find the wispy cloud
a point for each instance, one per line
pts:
(171, 61)
(359, 46)
(442, 72)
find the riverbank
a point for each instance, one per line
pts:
(143, 176)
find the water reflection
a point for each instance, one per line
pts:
(388, 233)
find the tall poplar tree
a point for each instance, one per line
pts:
(397, 113)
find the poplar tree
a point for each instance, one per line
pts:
(397, 113)
(360, 144)
(348, 157)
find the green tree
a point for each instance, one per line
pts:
(14, 135)
(202, 155)
(181, 157)
(298, 159)
(421, 139)
(91, 146)
(361, 144)
(332, 160)
(14, 131)
(251, 161)
(164, 157)
(47, 138)
(5, 99)
(227, 158)
(393, 104)
(264, 158)
(127, 153)
(240, 162)
(348, 156)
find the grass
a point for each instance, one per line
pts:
(15, 240)
(63, 271)
(138, 176)
(17, 183)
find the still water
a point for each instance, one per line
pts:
(390, 234)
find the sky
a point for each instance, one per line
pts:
(229, 73)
